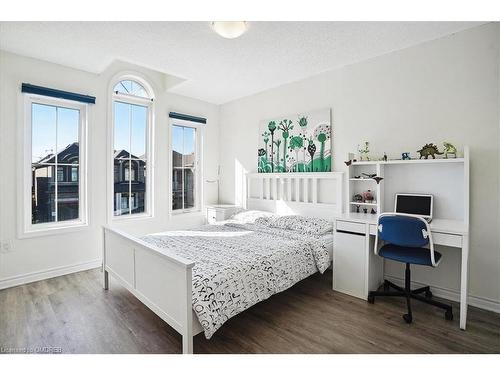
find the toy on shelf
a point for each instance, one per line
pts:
(363, 152)
(369, 175)
(348, 162)
(358, 198)
(405, 156)
(377, 179)
(373, 212)
(384, 158)
(368, 196)
(449, 149)
(429, 149)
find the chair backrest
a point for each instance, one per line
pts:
(403, 230)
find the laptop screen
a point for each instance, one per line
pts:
(414, 204)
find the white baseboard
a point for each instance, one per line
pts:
(452, 295)
(47, 274)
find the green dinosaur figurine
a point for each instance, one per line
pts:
(429, 149)
(449, 149)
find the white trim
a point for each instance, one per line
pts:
(146, 102)
(452, 294)
(25, 227)
(198, 193)
(49, 273)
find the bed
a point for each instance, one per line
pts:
(197, 279)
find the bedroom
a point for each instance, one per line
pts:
(116, 153)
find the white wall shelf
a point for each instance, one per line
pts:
(412, 161)
(363, 204)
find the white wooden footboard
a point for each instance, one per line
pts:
(162, 282)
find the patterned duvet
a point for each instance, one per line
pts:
(238, 265)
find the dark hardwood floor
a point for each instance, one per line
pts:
(73, 313)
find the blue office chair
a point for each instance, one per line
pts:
(407, 239)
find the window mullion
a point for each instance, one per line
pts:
(56, 182)
(130, 159)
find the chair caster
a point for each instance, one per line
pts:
(407, 318)
(448, 315)
(428, 294)
(371, 299)
(386, 286)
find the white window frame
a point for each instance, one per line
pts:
(26, 227)
(136, 100)
(198, 192)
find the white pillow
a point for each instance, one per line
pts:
(250, 216)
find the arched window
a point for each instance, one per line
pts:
(131, 109)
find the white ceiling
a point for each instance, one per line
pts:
(219, 70)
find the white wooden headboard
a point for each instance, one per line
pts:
(307, 194)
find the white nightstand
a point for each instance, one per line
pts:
(220, 212)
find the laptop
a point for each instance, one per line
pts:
(416, 204)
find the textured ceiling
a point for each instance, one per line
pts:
(219, 70)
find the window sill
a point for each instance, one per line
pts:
(193, 212)
(53, 230)
(131, 217)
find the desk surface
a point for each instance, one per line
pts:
(437, 225)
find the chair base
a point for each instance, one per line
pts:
(410, 294)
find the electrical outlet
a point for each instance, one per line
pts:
(6, 246)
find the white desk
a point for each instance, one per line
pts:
(451, 233)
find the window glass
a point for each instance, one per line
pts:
(54, 148)
(183, 167)
(130, 157)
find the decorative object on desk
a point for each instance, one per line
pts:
(306, 137)
(429, 149)
(449, 149)
(373, 212)
(405, 156)
(384, 158)
(368, 196)
(364, 152)
(365, 210)
(358, 198)
(348, 162)
(369, 175)
(378, 179)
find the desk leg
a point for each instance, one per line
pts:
(464, 282)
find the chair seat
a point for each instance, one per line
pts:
(412, 255)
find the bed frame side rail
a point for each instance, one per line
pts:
(163, 282)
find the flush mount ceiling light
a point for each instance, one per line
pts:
(230, 29)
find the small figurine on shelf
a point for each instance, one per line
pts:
(357, 208)
(405, 156)
(373, 212)
(369, 175)
(358, 198)
(449, 149)
(377, 179)
(385, 157)
(365, 210)
(368, 196)
(363, 152)
(429, 149)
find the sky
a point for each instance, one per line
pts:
(130, 130)
(44, 129)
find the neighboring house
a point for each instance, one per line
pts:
(129, 179)
(44, 186)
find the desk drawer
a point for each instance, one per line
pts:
(445, 239)
(350, 226)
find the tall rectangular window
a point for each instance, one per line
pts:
(130, 158)
(184, 167)
(54, 133)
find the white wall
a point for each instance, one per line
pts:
(447, 89)
(31, 258)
